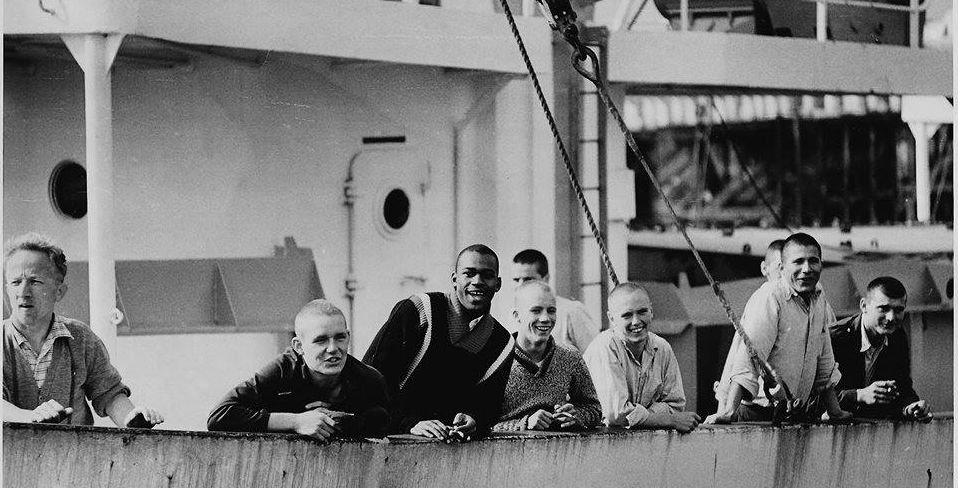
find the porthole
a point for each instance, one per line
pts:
(396, 209)
(68, 189)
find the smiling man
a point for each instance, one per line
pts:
(549, 387)
(786, 321)
(635, 371)
(573, 326)
(53, 364)
(445, 359)
(872, 353)
(314, 388)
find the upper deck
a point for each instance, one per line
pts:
(472, 35)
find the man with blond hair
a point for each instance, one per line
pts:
(52, 365)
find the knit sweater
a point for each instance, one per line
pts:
(562, 378)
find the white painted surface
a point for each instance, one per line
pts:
(185, 376)
(391, 264)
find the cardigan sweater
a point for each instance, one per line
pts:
(80, 370)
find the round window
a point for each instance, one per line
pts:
(396, 209)
(68, 189)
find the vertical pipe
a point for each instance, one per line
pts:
(821, 21)
(913, 34)
(922, 171)
(846, 176)
(684, 20)
(797, 188)
(99, 161)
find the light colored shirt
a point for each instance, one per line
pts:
(40, 362)
(630, 388)
(871, 354)
(792, 336)
(574, 326)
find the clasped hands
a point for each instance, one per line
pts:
(564, 416)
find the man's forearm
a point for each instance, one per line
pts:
(118, 409)
(281, 422)
(13, 413)
(732, 400)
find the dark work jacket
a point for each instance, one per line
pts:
(284, 385)
(447, 379)
(893, 363)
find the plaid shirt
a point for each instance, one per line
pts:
(39, 363)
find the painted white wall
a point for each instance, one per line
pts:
(185, 376)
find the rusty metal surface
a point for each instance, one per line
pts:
(883, 454)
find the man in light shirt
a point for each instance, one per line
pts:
(573, 326)
(635, 372)
(771, 268)
(786, 321)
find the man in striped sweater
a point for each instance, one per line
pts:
(549, 387)
(444, 358)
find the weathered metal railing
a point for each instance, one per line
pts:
(882, 454)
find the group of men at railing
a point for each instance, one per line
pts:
(442, 367)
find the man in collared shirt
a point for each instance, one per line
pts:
(53, 364)
(549, 387)
(445, 359)
(635, 372)
(872, 353)
(787, 322)
(574, 326)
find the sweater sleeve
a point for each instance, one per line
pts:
(388, 353)
(103, 382)
(583, 396)
(245, 408)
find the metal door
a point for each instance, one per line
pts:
(389, 241)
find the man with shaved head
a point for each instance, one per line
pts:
(636, 373)
(445, 359)
(549, 387)
(314, 388)
(787, 322)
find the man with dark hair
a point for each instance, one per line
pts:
(636, 373)
(53, 364)
(314, 388)
(872, 353)
(549, 387)
(445, 359)
(573, 326)
(786, 321)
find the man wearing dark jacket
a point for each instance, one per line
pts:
(445, 359)
(314, 388)
(872, 353)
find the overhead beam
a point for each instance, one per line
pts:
(663, 61)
